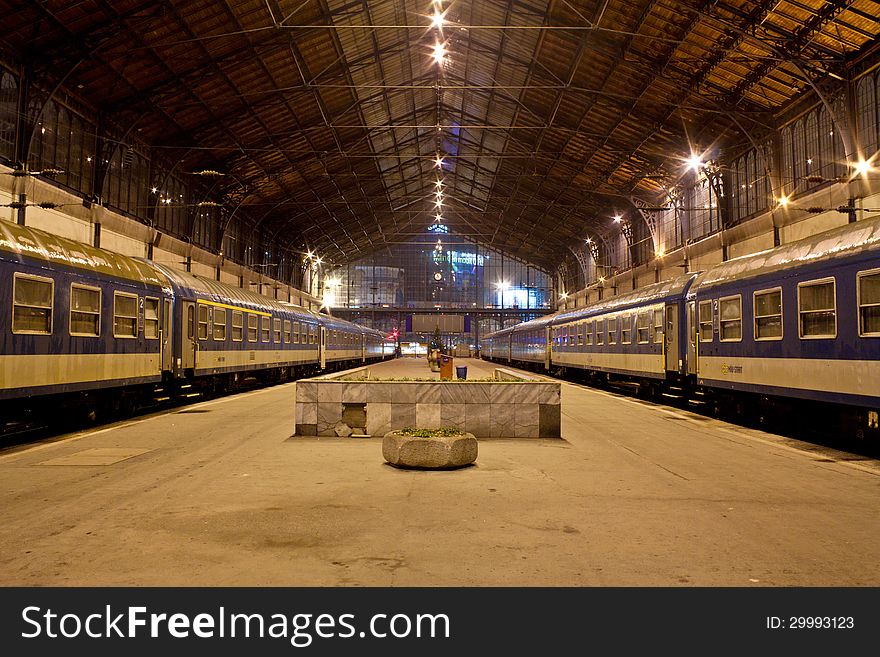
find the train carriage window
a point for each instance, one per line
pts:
(731, 319)
(295, 333)
(612, 330)
(32, 303)
(313, 335)
(151, 318)
(220, 324)
(125, 315)
(658, 326)
(768, 314)
(276, 329)
(869, 303)
(589, 329)
(626, 324)
(265, 329)
(85, 310)
(643, 328)
(600, 331)
(287, 331)
(817, 309)
(203, 322)
(705, 321)
(252, 327)
(237, 326)
(304, 331)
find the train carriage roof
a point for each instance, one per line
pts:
(652, 293)
(845, 241)
(221, 292)
(24, 242)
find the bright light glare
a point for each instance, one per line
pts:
(617, 218)
(783, 201)
(439, 52)
(437, 20)
(438, 162)
(439, 183)
(438, 218)
(563, 295)
(695, 162)
(862, 167)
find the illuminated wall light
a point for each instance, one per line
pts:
(437, 19)
(659, 253)
(617, 218)
(783, 201)
(439, 183)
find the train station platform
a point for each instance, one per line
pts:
(634, 494)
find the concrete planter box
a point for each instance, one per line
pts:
(435, 453)
(520, 408)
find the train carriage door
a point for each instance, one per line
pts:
(188, 343)
(322, 347)
(692, 353)
(671, 339)
(547, 348)
(167, 356)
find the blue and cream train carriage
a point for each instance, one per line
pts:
(793, 326)
(96, 329)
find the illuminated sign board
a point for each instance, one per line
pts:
(459, 258)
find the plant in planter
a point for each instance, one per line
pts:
(429, 449)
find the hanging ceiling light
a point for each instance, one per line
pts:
(439, 52)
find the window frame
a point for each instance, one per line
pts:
(277, 335)
(127, 295)
(859, 276)
(612, 333)
(756, 317)
(91, 288)
(648, 317)
(200, 323)
(265, 329)
(255, 328)
(626, 326)
(721, 321)
(710, 322)
(600, 332)
(816, 282)
(217, 324)
(288, 331)
(240, 326)
(158, 319)
(658, 335)
(40, 279)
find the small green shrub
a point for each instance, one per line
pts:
(442, 432)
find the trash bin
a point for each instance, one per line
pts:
(461, 371)
(445, 367)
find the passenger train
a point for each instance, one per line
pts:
(795, 328)
(85, 330)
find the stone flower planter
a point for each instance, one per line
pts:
(434, 453)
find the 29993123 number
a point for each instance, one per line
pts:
(820, 622)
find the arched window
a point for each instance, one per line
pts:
(800, 158)
(8, 114)
(866, 112)
(786, 145)
(811, 151)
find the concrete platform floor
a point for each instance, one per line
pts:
(635, 494)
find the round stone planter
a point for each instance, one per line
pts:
(441, 453)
